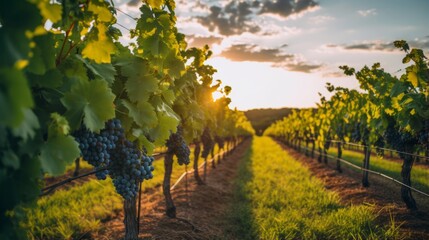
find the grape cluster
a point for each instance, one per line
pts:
(177, 144)
(129, 167)
(208, 143)
(96, 147)
(399, 140)
(122, 159)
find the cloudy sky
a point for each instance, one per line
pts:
(281, 53)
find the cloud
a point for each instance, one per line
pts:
(252, 53)
(364, 46)
(134, 3)
(378, 45)
(200, 41)
(301, 67)
(245, 52)
(233, 19)
(333, 75)
(237, 17)
(287, 8)
(368, 12)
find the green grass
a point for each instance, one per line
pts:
(419, 175)
(277, 198)
(70, 213)
(78, 210)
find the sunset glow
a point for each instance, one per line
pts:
(274, 54)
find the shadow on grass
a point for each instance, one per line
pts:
(239, 217)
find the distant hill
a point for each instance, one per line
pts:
(263, 117)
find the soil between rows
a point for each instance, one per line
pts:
(201, 209)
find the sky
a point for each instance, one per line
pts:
(282, 53)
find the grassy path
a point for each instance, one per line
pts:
(277, 198)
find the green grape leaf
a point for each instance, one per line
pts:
(169, 96)
(15, 97)
(43, 58)
(51, 79)
(102, 12)
(412, 77)
(27, 127)
(50, 11)
(92, 100)
(166, 125)
(141, 82)
(155, 3)
(10, 159)
(58, 126)
(57, 153)
(143, 114)
(73, 68)
(148, 145)
(99, 49)
(174, 65)
(14, 48)
(397, 89)
(104, 70)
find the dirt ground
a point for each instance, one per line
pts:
(200, 208)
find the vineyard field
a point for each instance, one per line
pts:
(201, 120)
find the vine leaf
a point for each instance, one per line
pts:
(412, 77)
(166, 125)
(43, 55)
(155, 3)
(57, 153)
(91, 100)
(99, 49)
(141, 83)
(103, 13)
(50, 11)
(143, 114)
(27, 127)
(13, 84)
(104, 70)
(10, 159)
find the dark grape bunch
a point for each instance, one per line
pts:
(129, 167)
(96, 147)
(177, 144)
(208, 143)
(399, 140)
(122, 159)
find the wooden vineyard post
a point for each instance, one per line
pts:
(196, 157)
(367, 152)
(130, 219)
(205, 169)
(340, 153)
(406, 195)
(77, 167)
(168, 166)
(313, 148)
